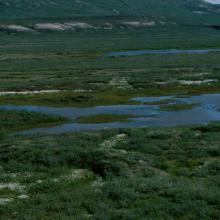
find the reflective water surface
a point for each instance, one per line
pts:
(167, 51)
(145, 115)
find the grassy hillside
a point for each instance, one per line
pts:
(46, 9)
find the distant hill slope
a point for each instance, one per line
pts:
(70, 15)
(60, 9)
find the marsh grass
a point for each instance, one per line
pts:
(160, 102)
(108, 96)
(12, 120)
(105, 118)
(178, 106)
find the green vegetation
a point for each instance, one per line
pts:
(73, 61)
(160, 102)
(17, 120)
(181, 11)
(178, 106)
(126, 174)
(104, 118)
(108, 96)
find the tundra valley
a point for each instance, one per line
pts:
(109, 110)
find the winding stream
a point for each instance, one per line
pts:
(161, 52)
(144, 115)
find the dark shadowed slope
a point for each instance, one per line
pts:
(179, 10)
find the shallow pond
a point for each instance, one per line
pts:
(160, 52)
(145, 115)
(213, 1)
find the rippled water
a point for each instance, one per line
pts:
(144, 115)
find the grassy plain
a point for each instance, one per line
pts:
(77, 60)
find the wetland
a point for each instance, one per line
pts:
(88, 136)
(179, 111)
